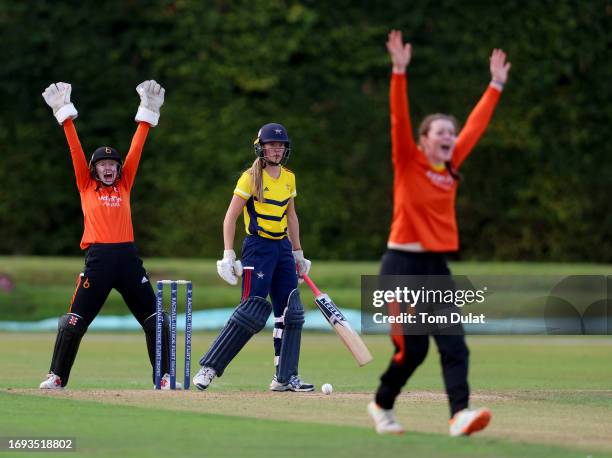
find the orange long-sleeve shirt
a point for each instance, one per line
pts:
(424, 198)
(106, 209)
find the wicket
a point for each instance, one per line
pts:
(158, 334)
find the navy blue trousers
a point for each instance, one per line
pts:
(269, 270)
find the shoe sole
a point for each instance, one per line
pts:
(282, 389)
(479, 423)
(275, 386)
(200, 386)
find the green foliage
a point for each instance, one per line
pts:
(536, 187)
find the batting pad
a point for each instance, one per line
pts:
(248, 319)
(291, 338)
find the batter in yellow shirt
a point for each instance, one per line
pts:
(268, 218)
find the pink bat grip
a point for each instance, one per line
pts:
(312, 286)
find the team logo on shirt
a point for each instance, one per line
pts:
(110, 201)
(441, 180)
(260, 275)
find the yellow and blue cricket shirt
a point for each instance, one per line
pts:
(268, 218)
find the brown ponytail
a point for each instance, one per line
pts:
(452, 171)
(256, 172)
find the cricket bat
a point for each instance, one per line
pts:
(340, 324)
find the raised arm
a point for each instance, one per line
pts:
(57, 96)
(480, 116)
(151, 99)
(130, 166)
(499, 68)
(403, 145)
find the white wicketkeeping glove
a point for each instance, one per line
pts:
(228, 268)
(151, 99)
(57, 96)
(302, 264)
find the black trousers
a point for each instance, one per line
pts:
(411, 350)
(108, 266)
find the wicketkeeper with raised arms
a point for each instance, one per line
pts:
(111, 260)
(271, 251)
(424, 229)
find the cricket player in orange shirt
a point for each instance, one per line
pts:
(424, 228)
(111, 260)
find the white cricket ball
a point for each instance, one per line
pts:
(327, 388)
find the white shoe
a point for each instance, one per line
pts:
(384, 420)
(52, 382)
(275, 385)
(165, 383)
(466, 422)
(203, 378)
(295, 384)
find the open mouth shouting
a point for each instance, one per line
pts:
(108, 177)
(107, 171)
(446, 151)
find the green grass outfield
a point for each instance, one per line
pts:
(44, 285)
(550, 396)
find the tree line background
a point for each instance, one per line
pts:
(537, 186)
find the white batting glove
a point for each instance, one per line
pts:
(302, 264)
(151, 99)
(57, 96)
(228, 268)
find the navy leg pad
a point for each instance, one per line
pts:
(248, 319)
(292, 336)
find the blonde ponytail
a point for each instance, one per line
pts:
(256, 172)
